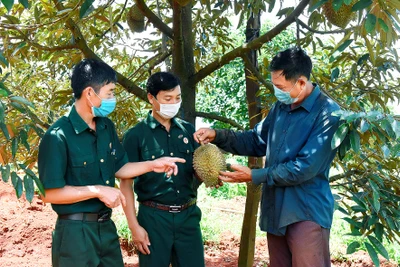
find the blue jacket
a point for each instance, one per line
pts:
(297, 148)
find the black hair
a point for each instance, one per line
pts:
(294, 62)
(91, 73)
(161, 81)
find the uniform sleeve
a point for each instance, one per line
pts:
(130, 143)
(52, 159)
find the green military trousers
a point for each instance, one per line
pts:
(175, 237)
(83, 243)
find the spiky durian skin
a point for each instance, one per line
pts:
(208, 161)
(135, 19)
(340, 18)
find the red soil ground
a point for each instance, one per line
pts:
(25, 239)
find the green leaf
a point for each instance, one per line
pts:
(4, 129)
(372, 253)
(21, 100)
(3, 59)
(355, 141)
(375, 201)
(24, 139)
(285, 11)
(383, 25)
(5, 173)
(379, 247)
(361, 5)
(378, 230)
(370, 23)
(335, 74)
(14, 147)
(317, 5)
(18, 107)
(25, 3)
(85, 8)
(29, 188)
(388, 128)
(339, 135)
(8, 4)
(364, 126)
(386, 151)
(348, 2)
(17, 183)
(344, 45)
(39, 185)
(2, 111)
(4, 91)
(352, 247)
(362, 59)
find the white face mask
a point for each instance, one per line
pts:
(168, 111)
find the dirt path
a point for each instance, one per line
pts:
(25, 239)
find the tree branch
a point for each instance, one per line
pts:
(324, 32)
(256, 73)
(156, 21)
(348, 174)
(253, 45)
(212, 116)
(82, 45)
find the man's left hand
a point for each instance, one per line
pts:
(240, 174)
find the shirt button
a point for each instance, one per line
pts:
(84, 163)
(172, 154)
(169, 135)
(102, 160)
(177, 191)
(153, 157)
(187, 151)
(107, 182)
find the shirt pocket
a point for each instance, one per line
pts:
(152, 154)
(83, 170)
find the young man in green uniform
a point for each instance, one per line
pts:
(79, 157)
(167, 227)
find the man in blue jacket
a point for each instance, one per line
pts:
(295, 138)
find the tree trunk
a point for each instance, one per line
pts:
(183, 58)
(247, 240)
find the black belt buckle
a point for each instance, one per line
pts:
(175, 209)
(104, 217)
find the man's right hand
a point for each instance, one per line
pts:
(110, 196)
(141, 239)
(204, 135)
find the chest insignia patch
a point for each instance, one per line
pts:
(185, 140)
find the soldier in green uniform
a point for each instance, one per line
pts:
(79, 157)
(167, 227)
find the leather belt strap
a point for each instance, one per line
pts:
(87, 217)
(169, 208)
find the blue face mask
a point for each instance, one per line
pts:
(106, 107)
(285, 97)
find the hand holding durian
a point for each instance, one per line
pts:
(210, 165)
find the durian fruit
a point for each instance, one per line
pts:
(135, 19)
(208, 161)
(340, 18)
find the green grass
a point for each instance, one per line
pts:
(219, 217)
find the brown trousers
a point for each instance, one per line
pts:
(306, 244)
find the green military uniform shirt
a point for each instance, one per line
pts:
(149, 140)
(71, 153)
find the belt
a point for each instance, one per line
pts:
(87, 217)
(169, 208)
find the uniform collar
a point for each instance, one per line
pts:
(79, 124)
(153, 123)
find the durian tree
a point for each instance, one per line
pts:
(353, 44)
